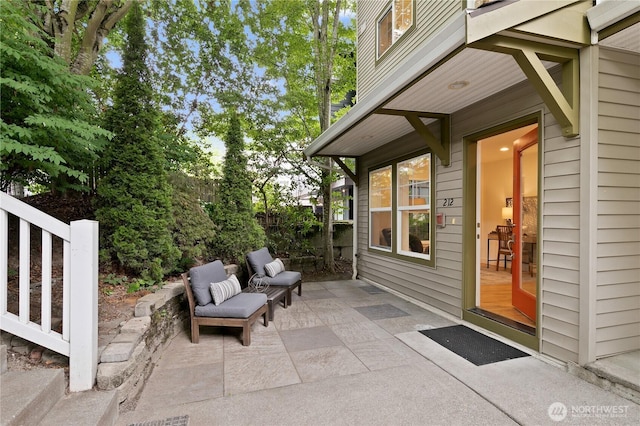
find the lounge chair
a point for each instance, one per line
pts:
(239, 310)
(259, 259)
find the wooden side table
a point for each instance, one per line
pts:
(275, 294)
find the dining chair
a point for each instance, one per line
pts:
(505, 240)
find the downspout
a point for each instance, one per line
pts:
(354, 233)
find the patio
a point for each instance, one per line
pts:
(347, 353)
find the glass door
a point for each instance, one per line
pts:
(525, 220)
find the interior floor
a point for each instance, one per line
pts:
(495, 293)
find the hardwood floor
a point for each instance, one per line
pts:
(495, 294)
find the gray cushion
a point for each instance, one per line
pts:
(257, 259)
(239, 306)
(285, 278)
(202, 277)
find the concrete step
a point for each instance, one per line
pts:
(98, 408)
(27, 396)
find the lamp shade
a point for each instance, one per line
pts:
(507, 212)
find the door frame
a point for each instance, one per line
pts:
(469, 231)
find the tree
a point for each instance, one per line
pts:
(47, 118)
(77, 29)
(309, 51)
(134, 198)
(238, 231)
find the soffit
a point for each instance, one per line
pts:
(486, 72)
(627, 39)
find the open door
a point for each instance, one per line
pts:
(525, 170)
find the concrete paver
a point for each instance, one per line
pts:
(362, 366)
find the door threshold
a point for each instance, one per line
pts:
(504, 320)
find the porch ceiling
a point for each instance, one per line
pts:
(485, 72)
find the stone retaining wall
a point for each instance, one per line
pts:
(128, 360)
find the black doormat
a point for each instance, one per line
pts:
(473, 346)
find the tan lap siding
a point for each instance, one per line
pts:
(439, 287)
(618, 240)
(431, 15)
(560, 270)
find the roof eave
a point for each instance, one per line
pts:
(445, 42)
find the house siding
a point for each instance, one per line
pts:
(618, 211)
(431, 16)
(559, 239)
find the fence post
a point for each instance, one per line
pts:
(83, 322)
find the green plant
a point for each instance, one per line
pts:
(48, 131)
(238, 232)
(138, 284)
(194, 231)
(134, 197)
(113, 279)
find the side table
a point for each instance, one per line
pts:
(274, 294)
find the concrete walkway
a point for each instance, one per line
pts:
(349, 353)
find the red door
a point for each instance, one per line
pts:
(523, 295)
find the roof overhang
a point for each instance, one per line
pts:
(454, 70)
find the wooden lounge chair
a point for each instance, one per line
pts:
(256, 261)
(241, 310)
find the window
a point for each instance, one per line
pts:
(414, 201)
(380, 208)
(409, 183)
(393, 23)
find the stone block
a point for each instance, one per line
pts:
(146, 305)
(117, 352)
(111, 375)
(173, 290)
(136, 325)
(127, 338)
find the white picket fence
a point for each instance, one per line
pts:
(79, 337)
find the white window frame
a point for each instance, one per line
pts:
(396, 34)
(380, 209)
(412, 208)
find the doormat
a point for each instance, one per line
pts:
(473, 346)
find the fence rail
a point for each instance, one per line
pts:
(78, 338)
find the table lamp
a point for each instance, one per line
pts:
(507, 214)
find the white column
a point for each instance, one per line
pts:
(83, 322)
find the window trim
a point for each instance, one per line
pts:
(394, 251)
(380, 209)
(400, 210)
(390, 7)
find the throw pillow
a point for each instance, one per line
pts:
(224, 290)
(274, 268)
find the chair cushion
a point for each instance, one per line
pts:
(202, 277)
(224, 290)
(285, 278)
(239, 306)
(274, 268)
(257, 259)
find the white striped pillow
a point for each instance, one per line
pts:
(225, 289)
(274, 268)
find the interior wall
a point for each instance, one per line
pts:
(496, 186)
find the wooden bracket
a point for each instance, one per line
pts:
(346, 169)
(563, 103)
(440, 147)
